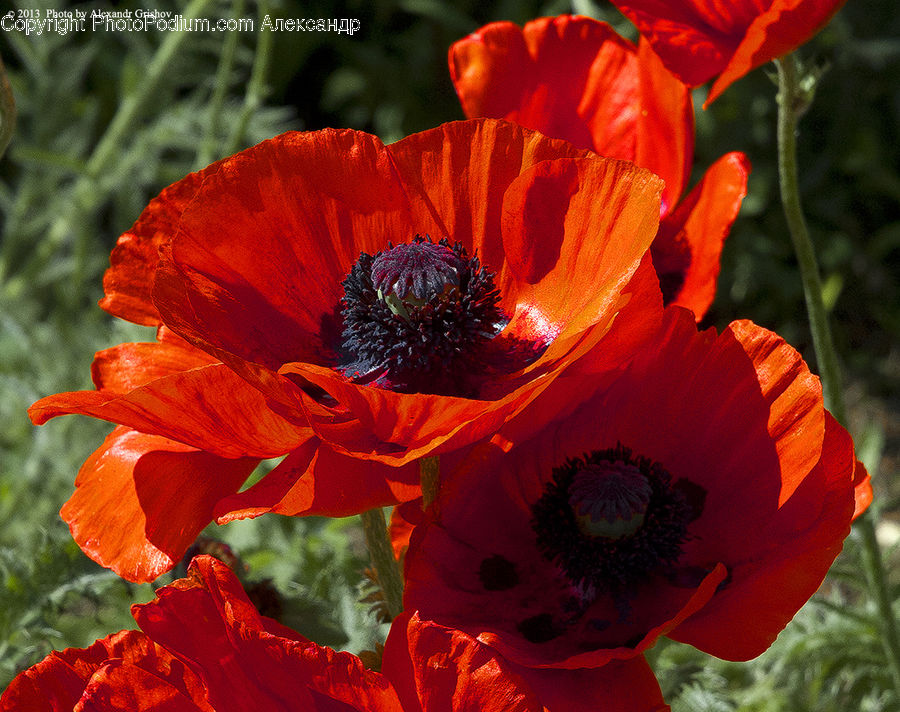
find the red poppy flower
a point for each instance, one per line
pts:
(574, 78)
(703, 496)
(299, 268)
(205, 647)
(698, 40)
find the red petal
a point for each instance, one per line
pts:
(57, 683)
(128, 281)
(120, 687)
(574, 78)
(698, 40)
(767, 587)
(404, 518)
(570, 260)
(786, 25)
(141, 500)
(690, 238)
(694, 38)
(262, 250)
(664, 126)
(209, 407)
(207, 621)
(125, 367)
(437, 668)
(315, 480)
(619, 686)
(862, 489)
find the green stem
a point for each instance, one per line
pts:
(388, 572)
(430, 477)
(792, 101)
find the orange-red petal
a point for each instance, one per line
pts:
(437, 668)
(207, 621)
(58, 682)
(140, 501)
(769, 585)
(689, 243)
(128, 281)
(698, 40)
(786, 25)
(208, 407)
(574, 78)
(315, 480)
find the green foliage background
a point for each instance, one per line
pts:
(105, 120)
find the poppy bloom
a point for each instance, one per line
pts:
(703, 496)
(574, 78)
(396, 301)
(205, 647)
(699, 39)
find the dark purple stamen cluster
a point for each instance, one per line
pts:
(418, 317)
(640, 532)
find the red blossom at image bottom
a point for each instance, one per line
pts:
(205, 648)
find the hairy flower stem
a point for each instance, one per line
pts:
(379, 544)
(793, 100)
(430, 477)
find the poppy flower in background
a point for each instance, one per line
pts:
(574, 78)
(702, 496)
(205, 647)
(288, 262)
(698, 39)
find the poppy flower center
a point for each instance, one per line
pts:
(408, 276)
(611, 518)
(419, 317)
(609, 499)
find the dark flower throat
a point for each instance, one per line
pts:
(419, 317)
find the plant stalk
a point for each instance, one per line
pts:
(386, 568)
(792, 101)
(430, 477)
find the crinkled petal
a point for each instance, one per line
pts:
(120, 687)
(256, 270)
(140, 501)
(208, 407)
(207, 621)
(437, 668)
(123, 368)
(57, 683)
